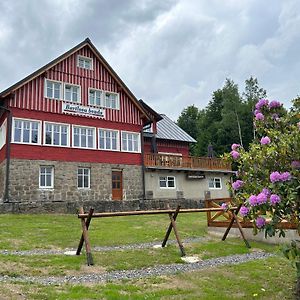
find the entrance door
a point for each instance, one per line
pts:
(117, 189)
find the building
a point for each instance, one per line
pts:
(72, 132)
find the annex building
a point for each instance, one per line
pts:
(72, 132)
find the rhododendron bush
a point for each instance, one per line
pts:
(267, 181)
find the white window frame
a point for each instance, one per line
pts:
(83, 175)
(86, 59)
(60, 90)
(45, 187)
(138, 139)
(79, 92)
(117, 100)
(84, 127)
(110, 130)
(167, 182)
(101, 98)
(3, 130)
(59, 124)
(26, 120)
(213, 180)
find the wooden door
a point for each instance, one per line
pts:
(117, 188)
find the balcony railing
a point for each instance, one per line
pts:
(185, 162)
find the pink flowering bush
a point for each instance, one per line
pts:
(269, 171)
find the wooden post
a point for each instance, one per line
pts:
(170, 227)
(177, 235)
(241, 230)
(89, 256)
(87, 223)
(231, 223)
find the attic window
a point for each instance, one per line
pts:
(84, 62)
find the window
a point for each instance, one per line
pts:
(53, 89)
(83, 178)
(215, 183)
(167, 182)
(56, 134)
(72, 93)
(84, 62)
(25, 131)
(111, 100)
(108, 139)
(95, 97)
(84, 137)
(46, 177)
(130, 142)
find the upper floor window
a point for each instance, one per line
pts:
(215, 183)
(95, 97)
(25, 131)
(108, 139)
(130, 141)
(111, 100)
(72, 92)
(53, 89)
(84, 137)
(56, 134)
(85, 62)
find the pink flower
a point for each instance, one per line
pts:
(252, 200)
(261, 198)
(224, 206)
(261, 103)
(295, 164)
(237, 184)
(244, 211)
(266, 192)
(274, 199)
(275, 176)
(235, 146)
(274, 104)
(260, 222)
(235, 154)
(285, 176)
(259, 117)
(265, 140)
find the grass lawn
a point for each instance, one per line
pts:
(272, 278)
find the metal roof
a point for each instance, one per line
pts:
(169, 130)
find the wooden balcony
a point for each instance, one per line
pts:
(164, 161)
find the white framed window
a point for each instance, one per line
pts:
(167, 182)
(26, 131)
(111, 100)
(72, 92)
(56, 134)
(46, 180)
(131, 141)
(215, 183)
(84, 137)
(83, 178)
(108, 139)
(53, 89)
(3, 133)
(84, 62)
(95, 97)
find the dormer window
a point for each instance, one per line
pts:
(84, 62)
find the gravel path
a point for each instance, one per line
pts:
(97, 249)
(139, 273)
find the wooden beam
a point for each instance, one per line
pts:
(170, 227)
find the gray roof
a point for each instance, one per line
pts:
(169, 130)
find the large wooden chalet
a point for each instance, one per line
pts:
(72, 132)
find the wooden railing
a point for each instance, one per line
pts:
(187, 162)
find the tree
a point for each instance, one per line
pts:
(267, 180)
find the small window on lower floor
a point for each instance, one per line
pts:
(83, 178)
(215, 183)
(167, 182)
(46, 177)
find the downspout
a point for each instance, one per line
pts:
(8, 140)
(143, 160)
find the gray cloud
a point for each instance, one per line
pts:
(170, 53)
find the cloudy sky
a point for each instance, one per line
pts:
(170, 53)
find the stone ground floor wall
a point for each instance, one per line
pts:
(24, 182)
(185, 187)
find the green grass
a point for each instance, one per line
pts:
(273, 278)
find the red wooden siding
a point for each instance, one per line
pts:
(31, 95)
(168, 147)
